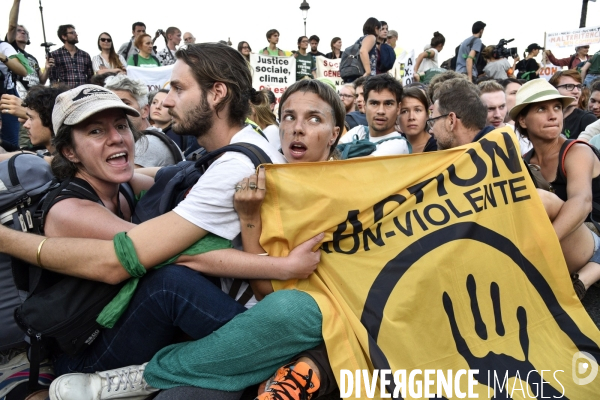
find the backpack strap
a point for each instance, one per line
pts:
(563, 155)
(156, 59)
(175, 151)
(127, 49)
(127, 191)
(235, 288)
(136, 59)
(252, 151)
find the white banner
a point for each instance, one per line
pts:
(273, 72)
(156, 78)
(330, 69)
(404, 67)
(574, 38)
(549, 70)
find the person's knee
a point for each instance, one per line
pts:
(294, 302)
(552, 203)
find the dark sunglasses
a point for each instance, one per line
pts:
(105, 40)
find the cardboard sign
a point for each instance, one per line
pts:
(574, 38)
(330, 69)
(549, 70)
(404, 67)
(273, 72)
(156, 78)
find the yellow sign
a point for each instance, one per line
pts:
(437, 261)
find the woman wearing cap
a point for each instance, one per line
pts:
(573, 171)
(528, 67)
(576, 120)
(581, 55)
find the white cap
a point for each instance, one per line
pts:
(76, 105)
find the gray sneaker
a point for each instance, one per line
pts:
(121, 383)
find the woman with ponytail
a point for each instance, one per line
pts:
(428, 60)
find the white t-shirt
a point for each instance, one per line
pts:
(524, 143)
(8, 51)
(98, 60)
(272, 133)
(387, 148)
(429, 63)
(209, 205)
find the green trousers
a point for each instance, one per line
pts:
(245, 351)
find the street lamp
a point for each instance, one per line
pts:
(304, 7)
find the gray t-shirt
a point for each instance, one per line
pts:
(470, 43)
(497, 69)
(150, 151)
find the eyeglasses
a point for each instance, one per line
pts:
(431, 121)
(570, 86)
(245, 48)
(23, 31)
(105, 40)
(347, 96)
(72, 33)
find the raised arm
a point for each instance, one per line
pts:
(13, 21)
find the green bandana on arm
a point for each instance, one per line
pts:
(24, 62)
(129, 260)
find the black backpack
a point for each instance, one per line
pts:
(351, 67)
(173, 183)
(55, 311)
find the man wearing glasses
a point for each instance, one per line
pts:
(72, 66)
(459, 116)
(18, 37)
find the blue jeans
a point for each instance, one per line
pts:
(589, 78)
(10, 125)
(167, 301)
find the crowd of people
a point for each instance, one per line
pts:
(192, 328)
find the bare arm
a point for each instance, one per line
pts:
(140, 182)
(13, 21)
(366, 46)
(12, 105)
(470, 60)
(420, 57)
(15, 65)
(584, 69)
(579, 166)
(96, 259)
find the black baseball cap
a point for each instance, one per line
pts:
(534, 46)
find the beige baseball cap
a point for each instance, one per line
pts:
(76, 105)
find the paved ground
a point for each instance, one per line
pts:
(591, 302)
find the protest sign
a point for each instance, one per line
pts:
(451, 265)
(573, 38)
(276, 73)
(330, 69)
(156, 78)
(548, 70)
(403, 67)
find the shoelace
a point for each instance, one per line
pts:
(126, 377)
(280, 386)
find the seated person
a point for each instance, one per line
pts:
(382, 104)
(573, 172)
(243, 353)
(575, 120)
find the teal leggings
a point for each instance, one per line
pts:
(245, 351)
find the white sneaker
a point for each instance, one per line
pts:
(121, 383)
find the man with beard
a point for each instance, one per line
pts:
(382, 105)
(458, 116)
(72, 66)
(210, 95)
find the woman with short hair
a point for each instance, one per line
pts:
(108, 60)
(568, 83)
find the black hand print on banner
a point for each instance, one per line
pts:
(492, 363)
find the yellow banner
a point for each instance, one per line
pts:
(437, 261)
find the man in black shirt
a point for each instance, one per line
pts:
(314, 43)
(18, 37)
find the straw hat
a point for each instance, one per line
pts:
(537, 91)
